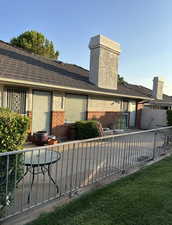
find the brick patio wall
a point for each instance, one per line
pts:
(58, 128)
(140, 106)
(107, 119)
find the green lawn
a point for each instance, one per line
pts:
(144, 198)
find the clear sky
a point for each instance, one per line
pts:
(142, 27)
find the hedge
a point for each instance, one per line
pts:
(86, 129)
(13, 134)
(169, 117)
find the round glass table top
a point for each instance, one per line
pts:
(41, 157)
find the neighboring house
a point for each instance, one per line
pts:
(55, 94)
(159, 99)
(154, 113)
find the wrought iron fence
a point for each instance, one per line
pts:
(32, 177)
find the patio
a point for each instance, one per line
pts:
(82, 163)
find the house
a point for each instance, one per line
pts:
(56, 94)
(154, 112)
(159, 99)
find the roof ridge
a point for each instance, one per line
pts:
(40, 56)
(28, 52)
(64, 74)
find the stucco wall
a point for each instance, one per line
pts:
(153, 118)
(96, 103)
(29, 100)
(104, 62)
(107, 109)
(1, 95)
(102, 104)
(58, 101)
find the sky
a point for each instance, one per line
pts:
(142, 27)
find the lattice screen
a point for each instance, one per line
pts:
(16, 100)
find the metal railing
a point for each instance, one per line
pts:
(31, 177)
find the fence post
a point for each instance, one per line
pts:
(124, 159)
(71, 172)
(154, 145)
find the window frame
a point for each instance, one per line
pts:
(86, 97)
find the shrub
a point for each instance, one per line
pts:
(169, 117)
(13, 133)
(86, 129)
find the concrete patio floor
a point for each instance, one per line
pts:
(83, 165)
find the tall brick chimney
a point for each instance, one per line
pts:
(158, 85)
(104, 62)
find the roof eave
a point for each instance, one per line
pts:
(65, 88)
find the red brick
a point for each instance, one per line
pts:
(107, 119)
(59, 129)
(139, 114)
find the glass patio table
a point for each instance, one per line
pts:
(40, 162)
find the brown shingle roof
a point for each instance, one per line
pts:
(18, 64)
(148, 92)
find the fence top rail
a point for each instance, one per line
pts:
(83, 141)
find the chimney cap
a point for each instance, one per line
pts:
(159, 78)
(102, 41)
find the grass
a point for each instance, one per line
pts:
(144, 198)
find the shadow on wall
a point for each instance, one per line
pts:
(62, 131)
(112, 120)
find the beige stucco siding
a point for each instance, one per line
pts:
(1, 95)
(29, 100)
(58, 101)
(95, 103)
(104, 62)
(132, 106)
(103, 104)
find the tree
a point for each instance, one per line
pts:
(120, 80)
(35, 42)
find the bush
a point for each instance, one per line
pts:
(86, 129)
(13, 133)
(13, 130)
(169, 117)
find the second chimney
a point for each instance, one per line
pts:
(158, 85)
(104, 62)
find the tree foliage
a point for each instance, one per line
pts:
(35, 42)
(120, 80)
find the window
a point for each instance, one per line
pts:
(75, 108)
(122, 121)
(16, 100)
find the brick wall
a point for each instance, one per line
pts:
(107, 119)
(139, 114)
(58, 128)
